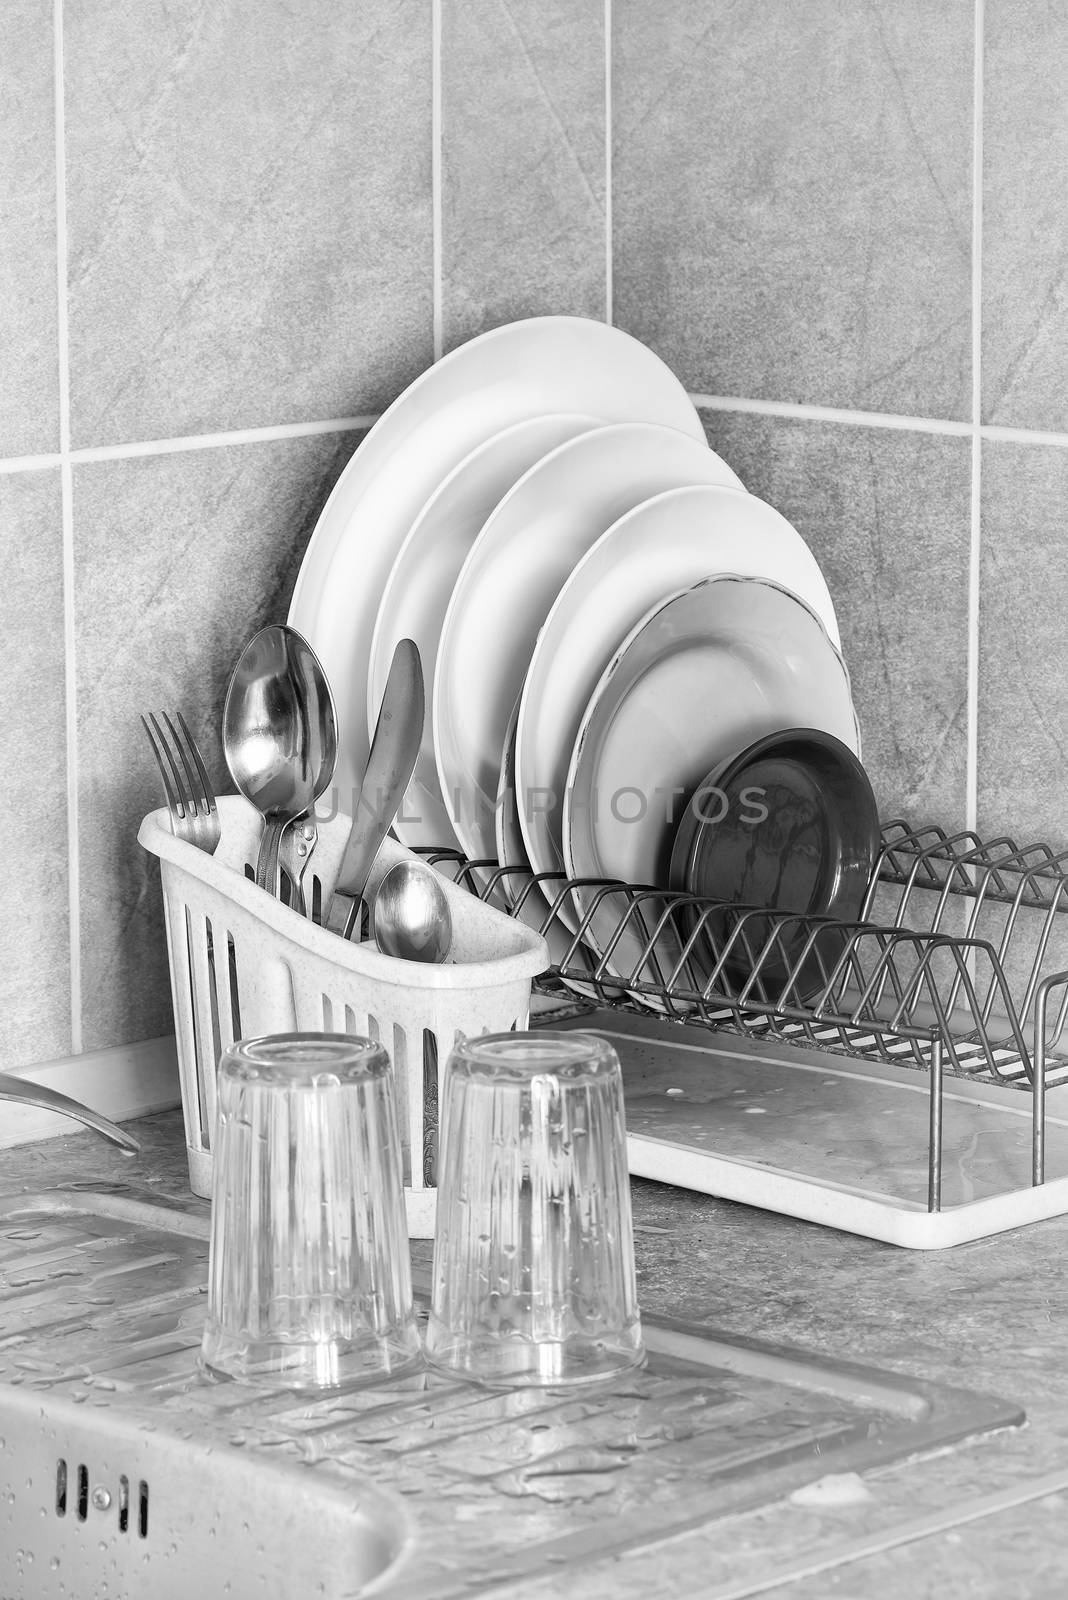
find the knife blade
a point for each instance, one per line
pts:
(390, 764)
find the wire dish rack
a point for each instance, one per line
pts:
(956, 967)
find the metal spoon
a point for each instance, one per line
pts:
(279, 735)
(411, 918)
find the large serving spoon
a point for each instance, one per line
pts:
(279, 735)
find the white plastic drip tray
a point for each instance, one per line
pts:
(830, 1138)
(124, 1472)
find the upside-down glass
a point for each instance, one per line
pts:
(310, 1283)
(533, 1278)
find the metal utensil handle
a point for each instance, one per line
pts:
(390, 764)
(344, 915)
(267, 865)
(36, 1094)
(294, 854)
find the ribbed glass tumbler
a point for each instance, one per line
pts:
(533, 1278)
(309, 1275)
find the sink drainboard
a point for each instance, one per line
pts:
(123, 1472)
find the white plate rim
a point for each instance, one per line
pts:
(540, 848)
(437, 827)
(321, 590)
(608, 681)
(454, 758)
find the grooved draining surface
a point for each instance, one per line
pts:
(458, 1489)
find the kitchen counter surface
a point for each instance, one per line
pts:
(986, 1518)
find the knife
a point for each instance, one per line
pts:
(390, 764)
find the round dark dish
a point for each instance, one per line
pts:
(790, 824)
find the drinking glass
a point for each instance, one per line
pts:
(310, 1282)
(533, 1276)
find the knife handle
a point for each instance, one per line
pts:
(344, 914)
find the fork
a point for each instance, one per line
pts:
(190, 797)
(194, 819)
(192, 805)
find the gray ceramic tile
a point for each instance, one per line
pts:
(523, 156)
(1025, 148)
(30, 390)
(792, 197)
(886, 514)
(34, 917)
(179, 559)
(249, 211)
(1023, 653)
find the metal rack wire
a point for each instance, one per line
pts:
(958, 962)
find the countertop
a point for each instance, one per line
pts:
(986, 1518)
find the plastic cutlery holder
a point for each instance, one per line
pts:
(242, 964)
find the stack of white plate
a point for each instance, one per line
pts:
(602, 611)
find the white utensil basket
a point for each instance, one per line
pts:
(283, 973)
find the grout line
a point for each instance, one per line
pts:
(435, 178)
(70, 663)
(70, 672)
(197, 441)
(609, 286)
(30, 463)
(995, 433)
(62, 310)
(219, 441)
(971, 801)
(813, 413)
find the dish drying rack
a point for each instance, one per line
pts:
(957, 966)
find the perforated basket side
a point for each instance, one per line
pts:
(243, 965)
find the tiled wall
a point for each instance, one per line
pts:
(268, 217)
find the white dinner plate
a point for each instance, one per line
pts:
(521, 370)
(508, 836)
(703, 675)
(522, 893)
(666, 544)
(420, 583)
(514, 572)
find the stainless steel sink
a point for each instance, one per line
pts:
(96, 1503)
(124, 1472)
